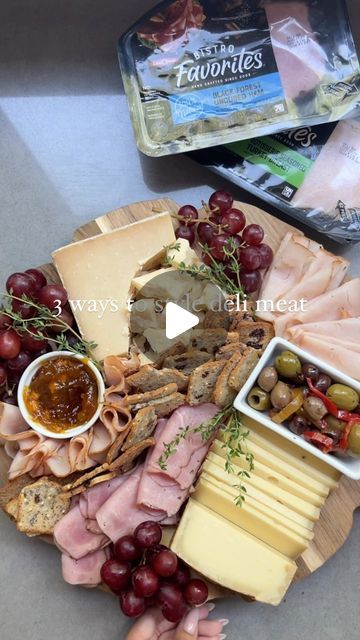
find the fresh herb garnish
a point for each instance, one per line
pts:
(234, 435)
(43, 321)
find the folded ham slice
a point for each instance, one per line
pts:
(73, 538)
(343, 355)
(347, 330)
(341, 303)
(86, 570)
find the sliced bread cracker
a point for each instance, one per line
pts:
(41, 505)
(241, 372)
(148, 378)
(141, 427)
(203, 380)
(211, 339)
(187, 361)
(255, 334)
(223, 394)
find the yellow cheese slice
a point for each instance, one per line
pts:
(297, 458)
(100, 269)
(181, 252)
(251, 520)
(303, 527)
(274, 476)
(284, 497)
(230, 556)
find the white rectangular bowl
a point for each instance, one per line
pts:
(348, 465)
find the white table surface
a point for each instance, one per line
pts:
(67, 154)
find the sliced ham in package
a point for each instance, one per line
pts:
(200, 73)
(310, 173)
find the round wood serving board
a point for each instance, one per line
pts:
(334, 525)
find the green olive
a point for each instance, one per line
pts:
(314, 408)
(259, 399)
(268, 378)
(335, 423)
(354, 439)
(288, 365)
(343, 396)
(280, 395)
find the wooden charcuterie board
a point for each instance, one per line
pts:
(334, 525)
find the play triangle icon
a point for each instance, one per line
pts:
(178, 320)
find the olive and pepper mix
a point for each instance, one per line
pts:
(309, 403)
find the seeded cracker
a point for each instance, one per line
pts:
(40, 506)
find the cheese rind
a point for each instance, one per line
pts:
(249, 518)
(100, 269)
(230, 556)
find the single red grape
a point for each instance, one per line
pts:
(181, 575)
(38, 277)
(19, 364)
(3, 374)
(64, 316)
(169, 592)
(206, 259)
(31, 343)
(116, 575)
(25, 310)
(148, 534)
(205, 232)
(145, 581)
(186, 233)
(220, 201)
(250, 258)
(21, 284)
(5, 321)
(217, 245)
(267, 255)
(151, 552)
(132, 605)
(233, 221)
(253, 234)
(127, 549)
(196, 592)
(165, 563)
(174, 613)
(250, 280)
(10, 344)
(53, 296)
(188, 215)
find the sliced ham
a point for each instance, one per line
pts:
(73, 538)
(299, 57)
(92, 499)
(302, 269)
(335, 174)
(343, 302)
(334, 352)
(84, 571)
(347, 329)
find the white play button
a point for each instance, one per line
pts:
(178, 320)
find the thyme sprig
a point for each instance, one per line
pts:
(233, 433)
(43, 321)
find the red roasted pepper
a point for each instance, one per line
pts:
(325, 443)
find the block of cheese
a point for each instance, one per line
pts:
(273, 475)
(294, 503)
(231, 557)
(264, 506)
(181, 252)
(141, 280)
(288, 452)
(97, 275)
(262, 527)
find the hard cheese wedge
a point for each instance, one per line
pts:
(273, 476)
(230, 556)
(302, 507)
(250, 519)
(100, 269)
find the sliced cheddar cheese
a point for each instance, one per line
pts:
(250, 519)
(230, 556)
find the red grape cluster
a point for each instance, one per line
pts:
(226, 227)
(144, 573)
(18, 350)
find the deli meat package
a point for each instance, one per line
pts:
(200, 73)
(310, 173)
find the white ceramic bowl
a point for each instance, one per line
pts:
(26, 379)
(347, 464)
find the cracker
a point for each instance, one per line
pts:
(141, 427)
(255, 334)
(203, 380)
(241, 372)
(12, 508)
(187, 361)
(41, 505)
(148, 379)
(131, 454)
(228, 350)
(217, 320)
(211, 339)
(133, 401)
(163, 405)
(223, 394)
(175, 350)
